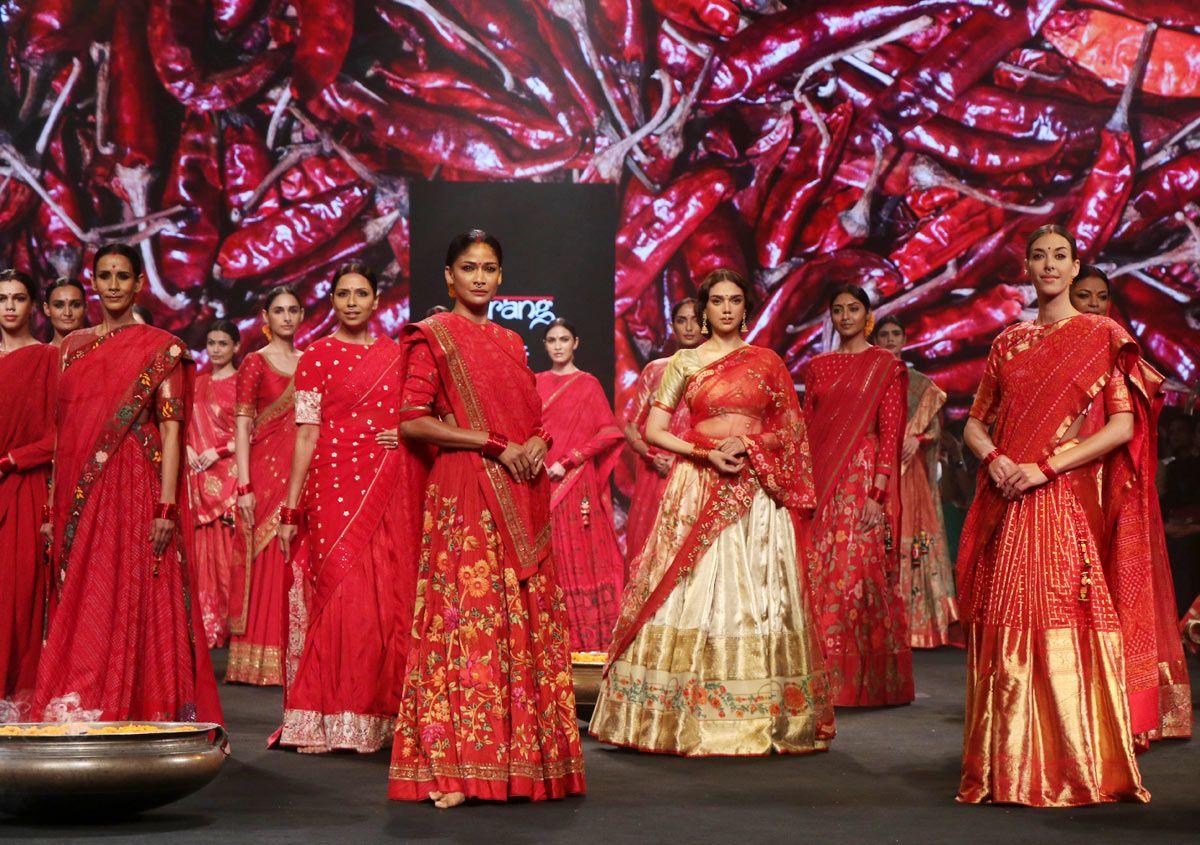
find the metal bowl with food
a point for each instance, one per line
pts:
(586, 667)
(81, 770)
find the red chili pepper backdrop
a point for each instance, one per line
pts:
(907, 146)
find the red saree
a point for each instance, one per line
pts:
(648, 484)
(257, 592)
(856, 413)
(487, 707)
(359, 517)
(213, 493)
(1055, 587)
(125, 640)
(587, 442)
(28, 382)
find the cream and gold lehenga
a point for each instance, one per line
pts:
(715, 652)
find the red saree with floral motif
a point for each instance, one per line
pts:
(258, 600)
(213, 493)
(587, 443)
(125, 639)
(715, 652)
(28, 385)
(487, 707)
(856, 411)
(359, 519)
(1056, 588)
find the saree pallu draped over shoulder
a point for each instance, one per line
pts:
(1057, 588)
(125, 639)
(714, 651)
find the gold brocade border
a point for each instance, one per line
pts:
(250, 663)
(743, 658)
(549, 770)
(347, 730)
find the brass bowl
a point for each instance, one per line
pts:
(85, 776)
(586, 675)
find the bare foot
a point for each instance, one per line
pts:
(449, 799)
(436, 796)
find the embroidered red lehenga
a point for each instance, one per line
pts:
(926, 571)
(1056, 587)
(359, 521)
(648, 485)
(856, 409)
(587, 442)
(257, 591)
(125, 640)
(212, 493)
(488, 707)
(715, 652)
(28, 384)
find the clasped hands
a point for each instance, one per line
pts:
(1013, 479)
(729, 456)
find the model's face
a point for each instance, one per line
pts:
(1051, 266)
(220, 349)
(686, 326)
(475, 276)
(891, 338)
(65, 309)
(353, 300)
(284, 315)
(561, 345)
(1090, 295)
(116, 284)
(849, 315)
(15, 306)
(726, 307)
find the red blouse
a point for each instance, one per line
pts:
(258, 385)
(825, 383)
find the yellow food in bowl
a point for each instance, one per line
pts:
(77, 729)
(596, 657)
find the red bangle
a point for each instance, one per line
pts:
(289, 516)
(47, 514)
(7, 464)
(700, 452)
(546, 438)
(245, 489)
(166, 511)
(992, 455)
(494, 446)
(877, 494)
(1050, 472)
(224, 451)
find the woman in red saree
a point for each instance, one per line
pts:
(926, 571)
(654, 465)
(488, 708)
(65, 306)
(585, 444)
(266, 432)
(28, 381)
(212, 481)
(855, 403)
(1055, 581)
(125, 639)
(715, 652)
(358, 522)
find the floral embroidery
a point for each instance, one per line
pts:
(308, 407)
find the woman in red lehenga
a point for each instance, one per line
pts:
(358, 523)
(65, 306)
(1091, 294)
(212, 482)
(266, 433)
(926, 571)
(653, 464)
(1055, 581)
(125, 640)
(488, 707)
(715, 652)
(28, 381)
(855, 402)
(585, 443)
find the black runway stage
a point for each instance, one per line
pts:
(890, 777)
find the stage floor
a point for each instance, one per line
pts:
(890, 777)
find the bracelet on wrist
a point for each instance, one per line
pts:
(47, 514)
(289, 516)
(991, 456)
(7, 464)
(224, 452)
(877, 494)
(700, 452)
(245, 489)
(1050, 472)
(494, 446)
(165, 510)
(546, 438)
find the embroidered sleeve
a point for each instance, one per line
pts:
(308, 407)
(169, 399)
(422, 388)
(309, 381)
(248, 377)
(1116, 395)
(670, 389)
(988, 395)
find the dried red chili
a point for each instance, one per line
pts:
(186, 251)
(326, 27)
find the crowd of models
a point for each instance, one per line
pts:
(412, 537)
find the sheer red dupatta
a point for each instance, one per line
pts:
(490, 388)
(214, 490)
(779, 461)
(578, 415)
(1066, 369)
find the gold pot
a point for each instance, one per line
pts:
(586, 671)
(88, 775)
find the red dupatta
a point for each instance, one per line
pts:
(491, 388)
(1066, 369)
(576, 414)
(28, 383)
(214, 490)
(779, 462)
